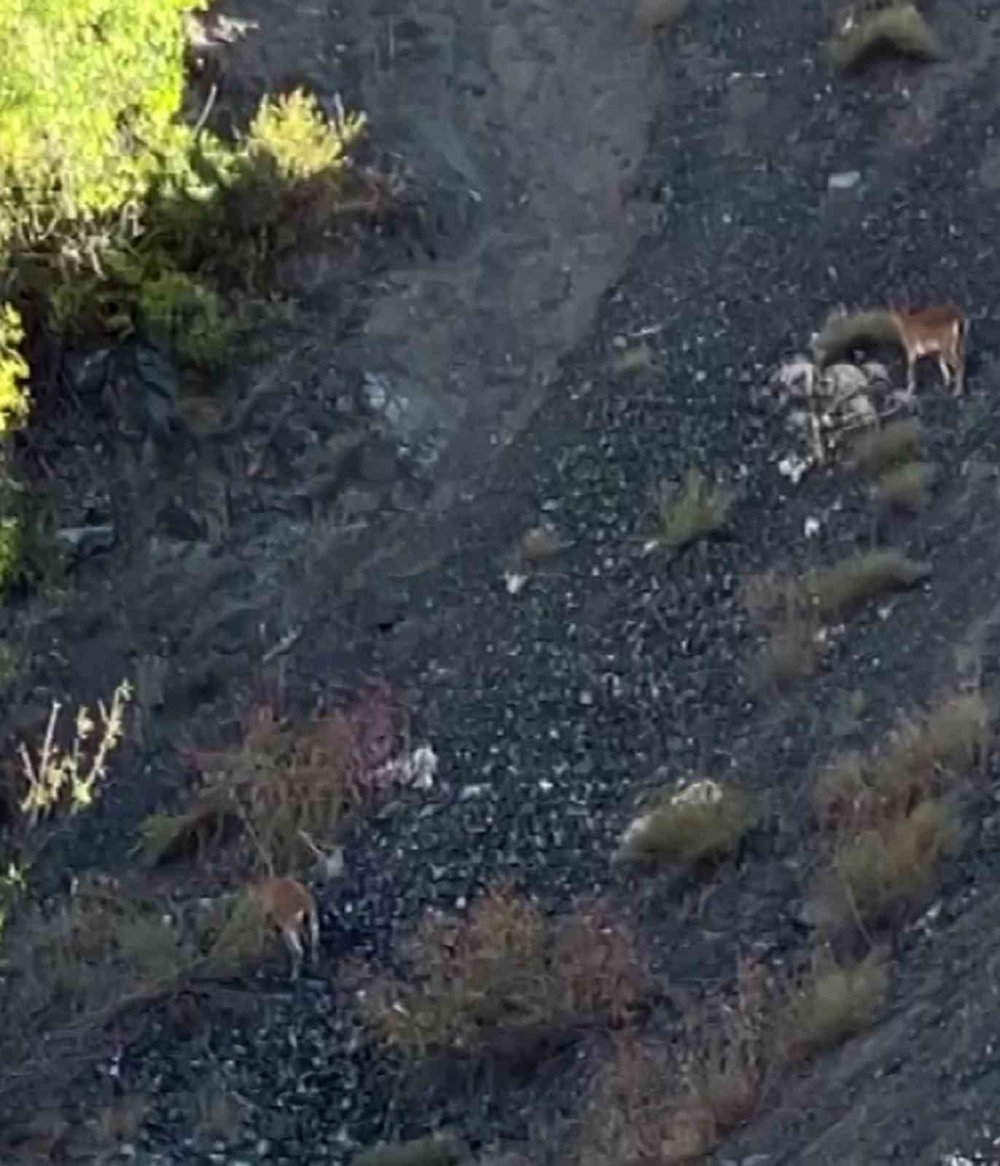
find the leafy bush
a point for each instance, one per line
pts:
(187, 315)
(87, 106)
(235, 211)
(113, 214)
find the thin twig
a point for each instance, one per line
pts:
(203, 117)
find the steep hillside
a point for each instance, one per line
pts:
(563, 681)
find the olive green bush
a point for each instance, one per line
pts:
(114, 216)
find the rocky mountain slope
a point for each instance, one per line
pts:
(552, 707)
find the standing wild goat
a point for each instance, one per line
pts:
(289, 907)
(934, 331)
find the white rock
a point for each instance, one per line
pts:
(860, 410)
(514, 582)
(635, 827)
(423, 767)
(698, 793)
(797, 377)
(793, 467)
(842, 380)
(876, 372)
(845, 180)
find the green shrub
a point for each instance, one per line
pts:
(13, 370)
(10, 552)
(281, 187)
(292, 134)
(114, 215)
(187, 315)
(88, 99)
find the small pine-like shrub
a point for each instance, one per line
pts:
(292, 134)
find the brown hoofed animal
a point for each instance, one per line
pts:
(934, 331)
(290, 908)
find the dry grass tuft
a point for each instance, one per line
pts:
(924, 758)
(793, 653)
(893, 816)
(845, 331)
(926, 755)
(834, 1004)
(906, 488)
(422, 1152)
(504, 982)
(896, 28)
(794, 610)
(880, 450)
(844, 795)
(691, 512)
(885, 873)
(672, 1105)
(841, 590)
(280, 783)
(680, 833)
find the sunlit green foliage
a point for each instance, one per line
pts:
(13, 371)
(114, 215)
(88, 97)
(298, 140)
(188, 316)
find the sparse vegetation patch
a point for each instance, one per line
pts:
(886, 872)
(868, 28)
(693, 511)
(282, 786)
(659, 15)
(843, 332)
(673, 1105)
(924, 757)
(906, 488)
(83, 958)
(702, 823)
(882, 449)
(504, 982)
(833, 1004)
(893, 815)
(841, 590)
